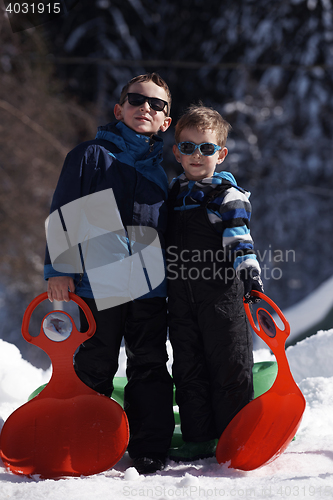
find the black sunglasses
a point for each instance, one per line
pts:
(154, 102)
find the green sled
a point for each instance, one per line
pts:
(264, 374)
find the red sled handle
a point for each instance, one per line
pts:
(267, 325)
(40, 298)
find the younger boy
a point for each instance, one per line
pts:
(126, 156)
(211, 266)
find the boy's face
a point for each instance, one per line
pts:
(143, 119)
(197, 166)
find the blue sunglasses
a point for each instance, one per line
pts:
(205, 148)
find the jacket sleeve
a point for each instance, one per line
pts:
(79, 176)
(237, 242)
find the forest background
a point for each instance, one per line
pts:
(266, 66)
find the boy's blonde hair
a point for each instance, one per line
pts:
(147, 77)
(203, 118)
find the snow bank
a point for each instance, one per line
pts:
(311, 310)
(18, 378)
(313, 357)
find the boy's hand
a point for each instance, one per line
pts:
(58, 287)
(252, 281)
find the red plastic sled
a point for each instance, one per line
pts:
(68, 429)
(263, 429)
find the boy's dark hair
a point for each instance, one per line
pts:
(203, 118)
(147, 77)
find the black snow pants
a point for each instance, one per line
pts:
(213, 359)
(149, 391)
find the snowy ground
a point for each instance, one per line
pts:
(319, 302)
(305, 470)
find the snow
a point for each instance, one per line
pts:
(319, 302)
(304, 470)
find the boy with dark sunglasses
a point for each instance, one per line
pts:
(211, 267)
(126, 156)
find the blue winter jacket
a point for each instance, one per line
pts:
(130, 164)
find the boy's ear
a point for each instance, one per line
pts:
(176, 152)
(118, 112)
(166, 124)
(222, 154)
